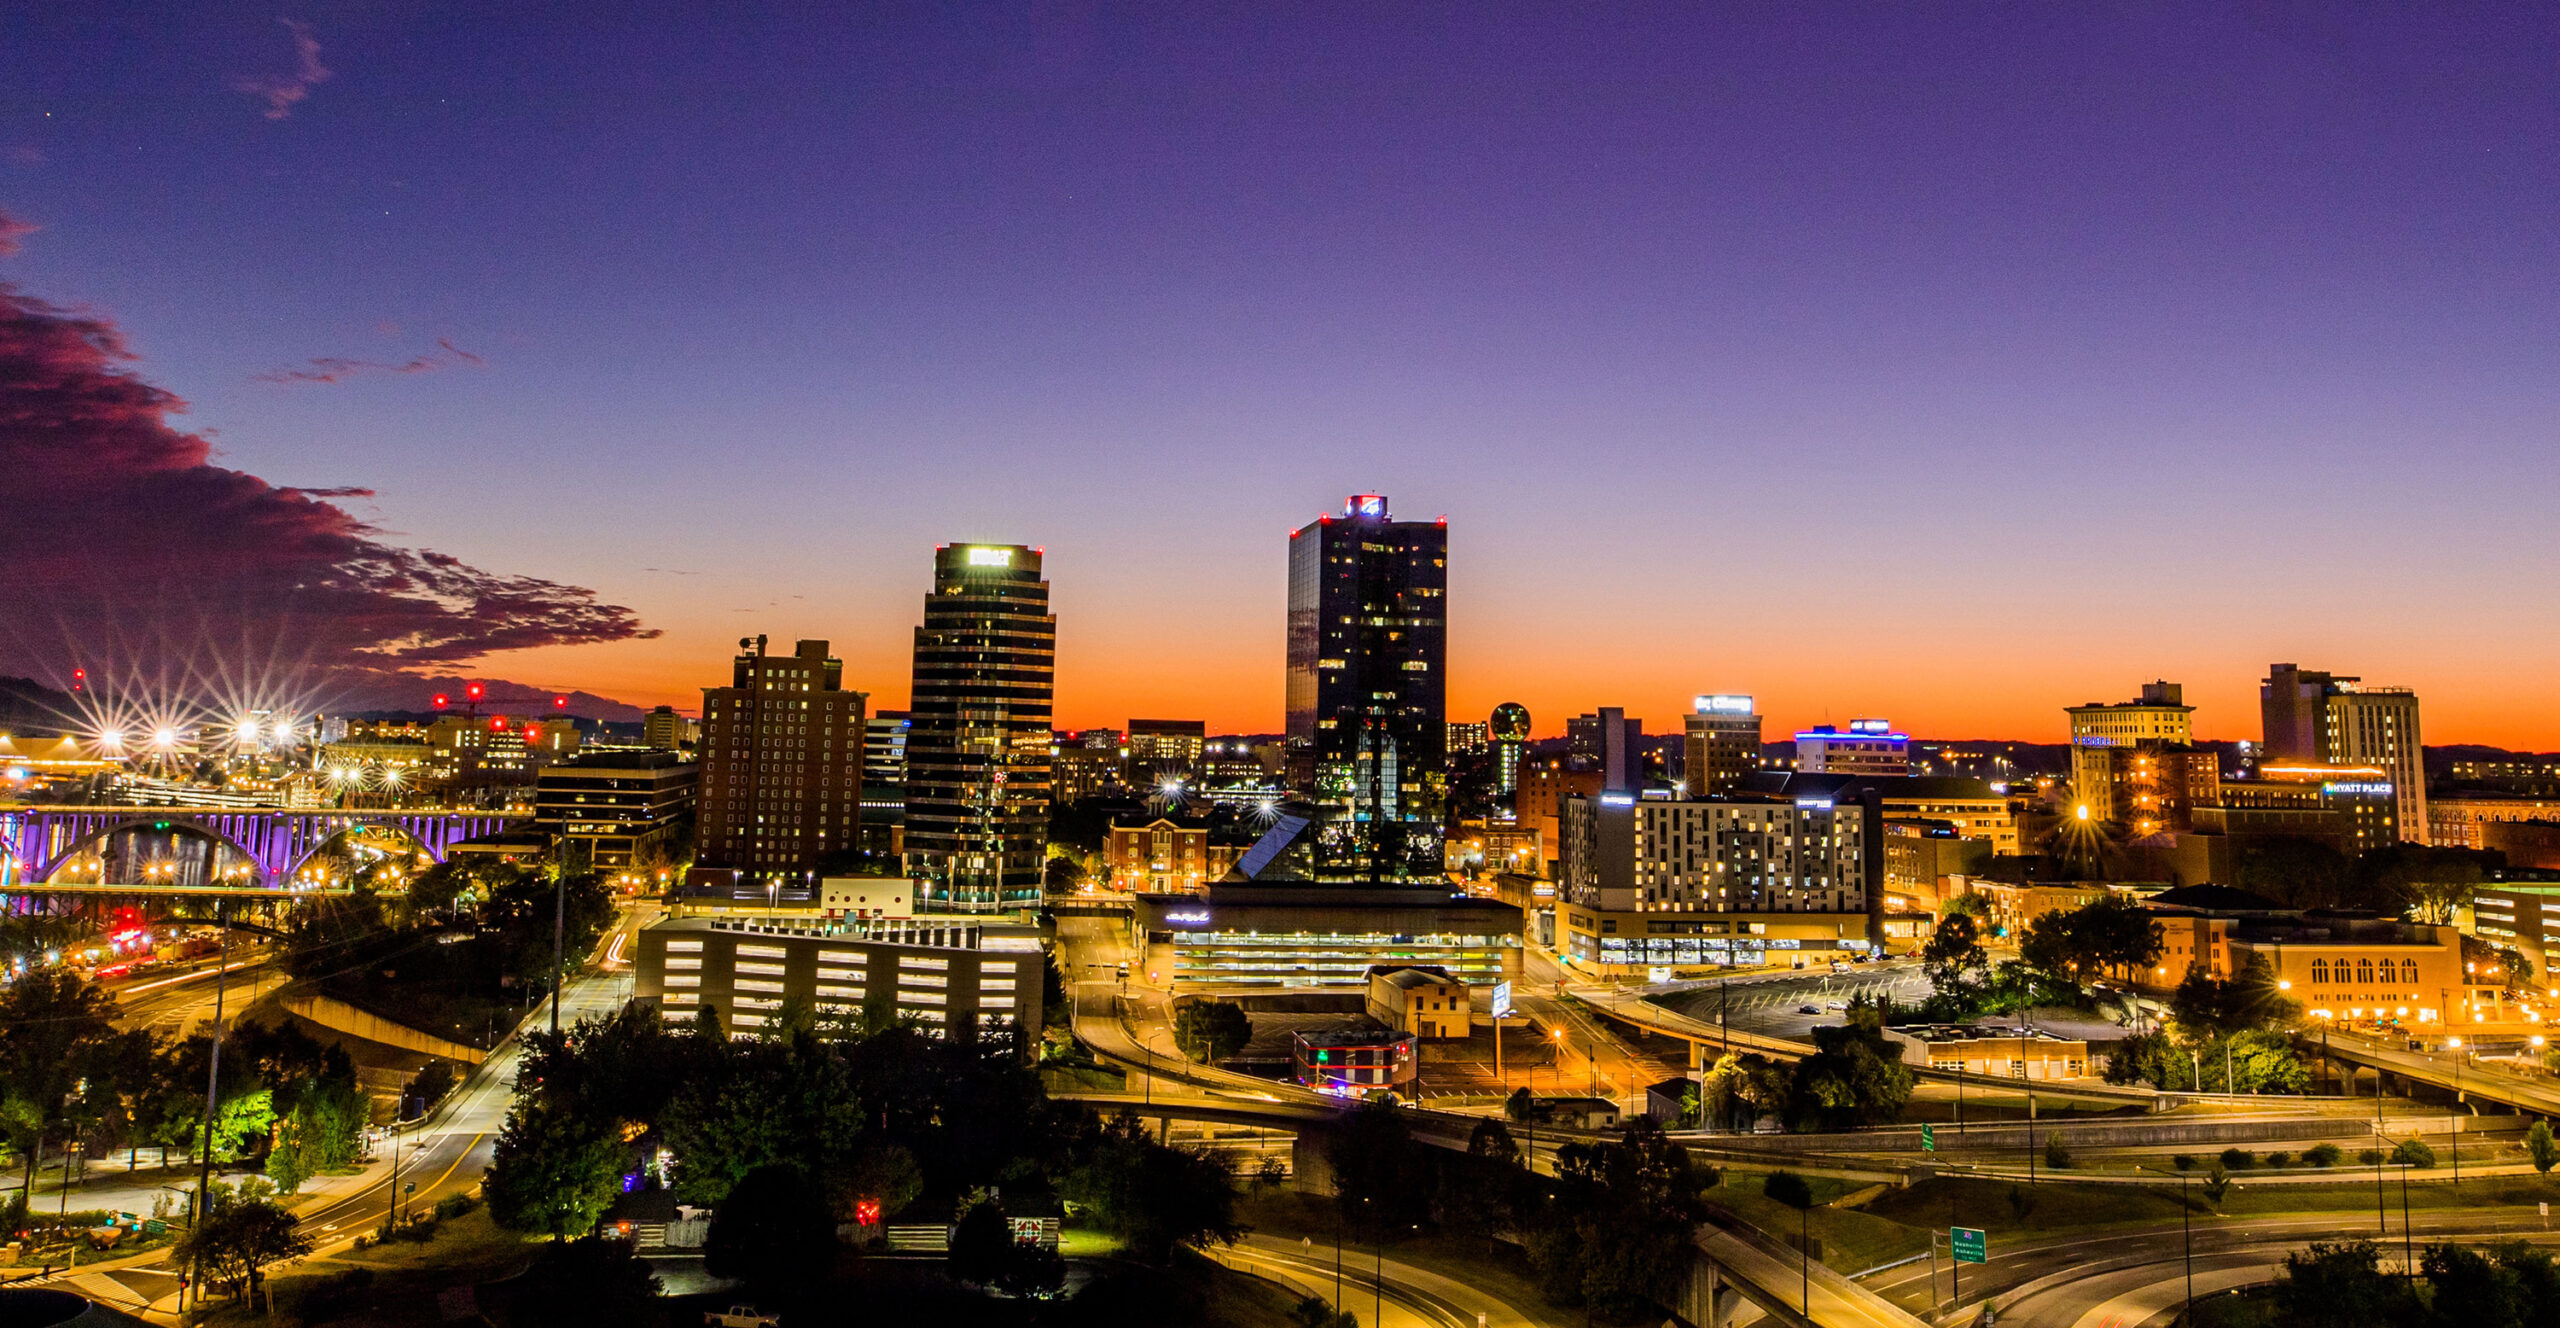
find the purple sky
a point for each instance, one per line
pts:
(1953, 363)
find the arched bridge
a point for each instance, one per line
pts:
(36, 840)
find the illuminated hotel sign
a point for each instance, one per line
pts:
(2337, 787)
(991, 557)
(1724, 705)
(1617, 800)
(1190, 918)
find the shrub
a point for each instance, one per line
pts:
(2056, 1155)
(454, 1205)
(2323, 1155)
(2184, 1161)
(2413, 1151)
(2238, 1159)
(2371, 1157)
(2279, 1158)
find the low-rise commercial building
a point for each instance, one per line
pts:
(1867, 747)
(952, 976)
(2351, 808)
(1322, 935)
(619, 811)
(1426, 1002)
(2522, 916)
(1352, 1062)
(1992, 1052)
(2340, 965)
(2454, 820)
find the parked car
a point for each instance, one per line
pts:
(1808, 1009)
(739, 1316)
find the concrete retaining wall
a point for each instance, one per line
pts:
(332, 1013)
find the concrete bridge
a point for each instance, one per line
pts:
(36, 841)
(2464, 1079)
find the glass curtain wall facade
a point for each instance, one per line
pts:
(1367, 715)
(978, 738)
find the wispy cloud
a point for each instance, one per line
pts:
(282, 92)
(12, 231)
(331, 369)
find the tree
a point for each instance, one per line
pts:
(1743, 1087)
(1211, 1030)
(591, 1282)
(238, 1239)
(553, 1175)
(2110, 934)
(55, 1023)
(1521, 1108)
(773, 1231)
(1854, 1076)
(1154, 1198)
(2413, 1152)
(2539, 1146)
(2466, 1289)
(981, 1244)
(1954, 950)
(1062, 875)
(2342, 1285)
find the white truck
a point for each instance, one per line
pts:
(739, 1316)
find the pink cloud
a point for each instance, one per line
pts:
(12, 231)
(124, 535)
(280, 93)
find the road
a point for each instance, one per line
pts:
(2537, 1093)
(1384, 1293)
(174, 1005)
(444, 1154)
(2129, 1278)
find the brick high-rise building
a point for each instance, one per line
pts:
(1722, 744)
(781, 755)
(978, 751)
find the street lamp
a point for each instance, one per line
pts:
(2186, 1223)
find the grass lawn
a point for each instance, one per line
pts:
(1853, 1239)
(398, 1285)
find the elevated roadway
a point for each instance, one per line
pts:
(2465, 1080)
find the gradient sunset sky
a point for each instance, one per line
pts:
(1950, 363)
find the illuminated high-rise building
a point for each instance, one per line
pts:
(1367, 719)
(978, 739)
(2130, 758)
(1509, 732)
(2317, 718)
(1723, 745)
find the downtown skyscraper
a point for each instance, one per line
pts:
(1367, 689)
(978, 739)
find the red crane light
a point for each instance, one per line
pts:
(497, 724)
(443, 700)
(559, 703)
(472, 691)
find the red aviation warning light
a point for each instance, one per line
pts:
(443, 700)
(79, 680)
(473, 691)
(498, 724)
(559, 703)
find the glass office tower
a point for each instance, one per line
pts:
(1368, 729)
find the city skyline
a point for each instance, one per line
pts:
(1716, 337)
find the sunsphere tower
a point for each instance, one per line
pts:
(978, 741)
(1368, 649)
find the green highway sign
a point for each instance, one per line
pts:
(1970, 1245)
(1928, 1138)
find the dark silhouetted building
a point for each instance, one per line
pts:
(1368, 649)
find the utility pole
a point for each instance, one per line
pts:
(559, 937)
(212, 1084)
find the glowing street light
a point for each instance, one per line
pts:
(165, 739)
